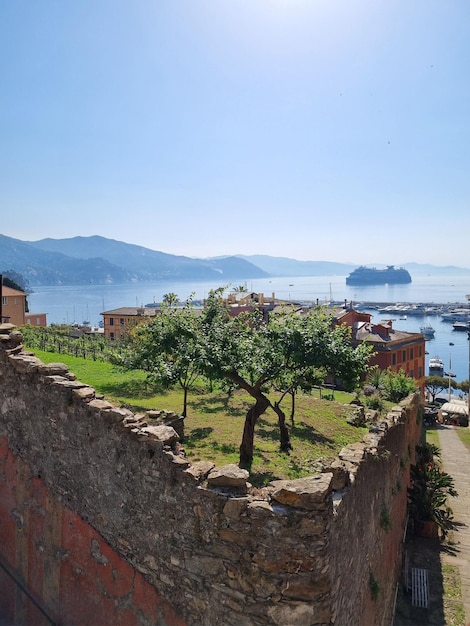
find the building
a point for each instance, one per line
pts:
(13, 306)
(36, 319)
(393, 349)
(118, 322)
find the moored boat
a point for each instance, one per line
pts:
(427, 331)
(461, 326)
(436, 366)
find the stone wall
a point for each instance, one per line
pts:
(104, 506)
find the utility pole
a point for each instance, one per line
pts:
(1, 298)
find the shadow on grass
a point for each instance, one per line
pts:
(196, 435)
(301, 430)
(261, 479)
(131, 389)
(225, 448)
(216, 406)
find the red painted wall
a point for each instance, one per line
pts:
(67, 568)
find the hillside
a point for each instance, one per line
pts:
(98, 260)
(84, 260)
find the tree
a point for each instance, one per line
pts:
(434, 385)
(168, 347)
(397, 385)
(285, 352)
(170, 300)
(462, 385)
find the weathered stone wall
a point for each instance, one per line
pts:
(131, 525)
(367, 530)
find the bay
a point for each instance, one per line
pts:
(76, 304)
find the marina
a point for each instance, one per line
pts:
(447, 350)
(423, 302)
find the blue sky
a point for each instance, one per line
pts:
(311, 129)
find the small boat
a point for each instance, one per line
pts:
(436, 366)
(461, 325)
(403, 317)
(427, 331)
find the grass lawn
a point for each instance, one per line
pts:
(464, 435)
(214, 425)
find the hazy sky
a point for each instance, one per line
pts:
(313, 129)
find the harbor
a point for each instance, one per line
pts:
(409, 306)
(445, 341)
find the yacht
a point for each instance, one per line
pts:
(436, 366)
(427, 331)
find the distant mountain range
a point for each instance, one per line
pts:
(84, 260)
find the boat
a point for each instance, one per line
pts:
(372, 276)
(465, 326)
(455, 315)
(427, 331)
(436, 366)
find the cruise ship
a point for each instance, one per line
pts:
(363, 275)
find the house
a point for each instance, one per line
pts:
(36, 319)
(118, 322)
(249, 302)
(393, 349)
(12, 306)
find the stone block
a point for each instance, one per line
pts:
(304, 493)
(228, 476)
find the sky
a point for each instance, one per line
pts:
(311, 129)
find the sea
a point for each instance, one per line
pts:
(85, 303)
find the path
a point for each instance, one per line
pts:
(456, 462)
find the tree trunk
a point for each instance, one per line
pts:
(185, 401)
(285, 444)
(247, 444)
(292, 407)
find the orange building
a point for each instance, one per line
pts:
(118, 322)
(36, 319)
(13, 306)
(393, 349)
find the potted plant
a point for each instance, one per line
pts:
(427, 495)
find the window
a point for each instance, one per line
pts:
(420, 372)
(394, 359)
(111, 321)
(420, 353)
(111, 336)
(121, 321)
(403, 356)
(412, 374)
(4, 300)
(412, 353)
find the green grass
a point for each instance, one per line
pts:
(454, 610)
(214, 425)
(464, 434)
(432, 436)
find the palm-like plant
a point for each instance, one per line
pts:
(429, 490)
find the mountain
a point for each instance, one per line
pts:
(83, 260)
(282, 266)
(421, 268)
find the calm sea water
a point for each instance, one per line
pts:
(67, 304)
